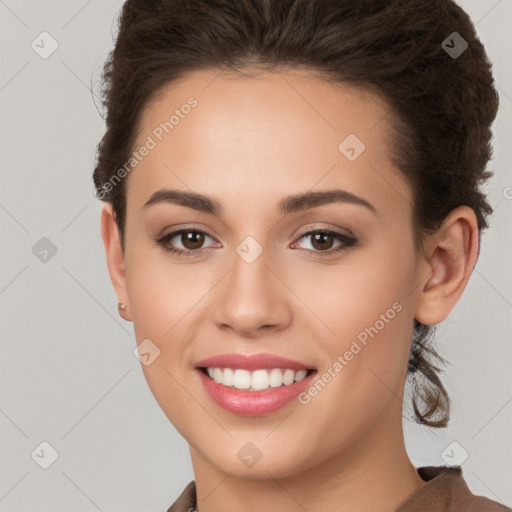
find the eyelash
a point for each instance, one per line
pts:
(347, 242)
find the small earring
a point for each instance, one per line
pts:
(121, 305)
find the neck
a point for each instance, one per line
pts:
(374, 474)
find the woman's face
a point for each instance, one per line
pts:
(343, 307)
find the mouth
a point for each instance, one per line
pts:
(253, 385)
(258, 388)
(255, 380)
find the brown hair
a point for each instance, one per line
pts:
(442, 104)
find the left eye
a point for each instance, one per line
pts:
(323, 239)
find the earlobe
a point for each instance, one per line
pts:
(115, 257)
(449, 262)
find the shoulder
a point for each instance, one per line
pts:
(186, 501)
(445, 490)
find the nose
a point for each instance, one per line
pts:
(253, 299)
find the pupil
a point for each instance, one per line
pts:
(192, 238)
(319, 235)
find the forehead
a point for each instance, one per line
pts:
(224, 134)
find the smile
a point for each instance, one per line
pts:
(256, 380)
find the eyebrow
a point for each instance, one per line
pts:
(286, 206)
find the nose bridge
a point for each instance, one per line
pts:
(250, 296)
(251, 267)
(251, 278)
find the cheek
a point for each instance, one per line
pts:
(160, 292)
(352, 295)
(366, 313)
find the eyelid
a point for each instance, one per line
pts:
(173, 229)
(334, 229)
(178, 230)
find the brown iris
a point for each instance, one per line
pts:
(195, 239)
(318, 240)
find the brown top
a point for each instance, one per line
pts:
(445, 491)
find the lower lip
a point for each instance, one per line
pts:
(253, 403)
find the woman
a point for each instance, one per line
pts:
(292, 202)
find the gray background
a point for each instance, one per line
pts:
(68, 375)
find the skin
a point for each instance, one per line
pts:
(249, 143)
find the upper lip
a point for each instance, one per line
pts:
(251, 362)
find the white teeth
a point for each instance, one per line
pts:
(288, 377)
(255, 380)
(228, 377)
(260, 380)
(242, 379)
(276, 378)
(301, 374)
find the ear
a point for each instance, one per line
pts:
(449, 258)
(115, 257)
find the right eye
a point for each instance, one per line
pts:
(191, 240)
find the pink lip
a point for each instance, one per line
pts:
(251, 362)
(252, 403)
